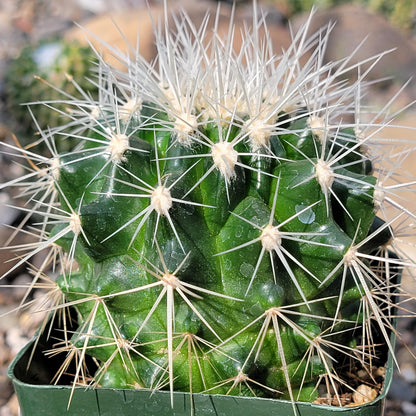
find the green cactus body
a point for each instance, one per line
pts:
(222, 234)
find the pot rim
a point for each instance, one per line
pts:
(20, 384)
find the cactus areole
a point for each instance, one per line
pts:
(221, 224)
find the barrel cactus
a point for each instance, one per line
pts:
(222, 225)
(29, 78)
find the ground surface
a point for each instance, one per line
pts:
(25, 21)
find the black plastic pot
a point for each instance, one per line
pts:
(37, 398)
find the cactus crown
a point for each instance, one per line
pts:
(221, 225)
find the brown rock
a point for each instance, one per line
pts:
(122, 30)
(6, 389)
(353, 25)
(118, 32)
(11, 408)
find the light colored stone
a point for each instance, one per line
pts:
(7, 213)
(11, 408)
(408, 372)
(16, 340)
(409, 408)
(363, 394)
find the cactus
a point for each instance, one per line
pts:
(28, 79)
(222, 225)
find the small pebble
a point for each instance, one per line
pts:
(7, 213)
(16, 340)
(408, 372)
(364, 394)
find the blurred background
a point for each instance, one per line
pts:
(42, 38)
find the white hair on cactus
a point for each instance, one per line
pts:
(318, 126)
(161, 200)
(225, 158)
(185, 125)
(130, 108)
(324, 175)
(54, 168)
(95, 112)
(118, 145)
(271, 238)
(259, 133)
(75, 223)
